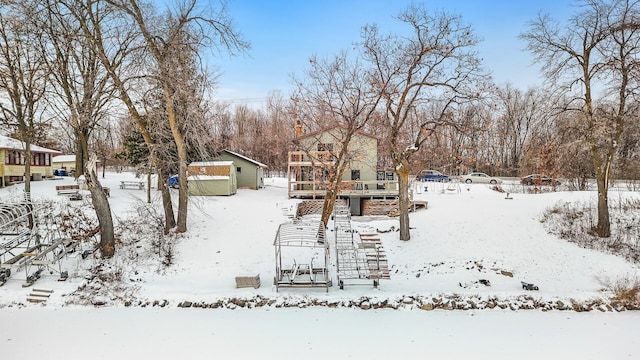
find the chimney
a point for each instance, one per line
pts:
(298, 129)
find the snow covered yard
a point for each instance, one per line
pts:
(463, 237)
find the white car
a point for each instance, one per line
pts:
(480, 178)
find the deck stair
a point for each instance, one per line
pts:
(375, 255)
(39, 295)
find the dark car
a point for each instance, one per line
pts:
(538, 179)
(60, 172)
(432, 175)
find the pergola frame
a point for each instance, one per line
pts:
(302, 235)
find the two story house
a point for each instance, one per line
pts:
(12, 166)
(314, 155)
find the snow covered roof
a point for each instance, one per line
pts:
(63, 158)
(14, 144)
(207, 177)
(245, 158)
(210, 163)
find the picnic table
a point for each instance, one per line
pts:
(132, 185)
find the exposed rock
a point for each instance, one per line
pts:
(506, 273)
(427, 306)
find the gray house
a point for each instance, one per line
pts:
(249, 173)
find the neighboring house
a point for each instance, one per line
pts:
(66, 162)
(12, 161)
(212, 178)
(250, 173)
(309, 166)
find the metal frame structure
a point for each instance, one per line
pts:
(29, 239)
(355, 260)
(308, 238)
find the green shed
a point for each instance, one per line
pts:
(212, 178)
(250, 173)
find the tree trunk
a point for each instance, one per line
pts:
(82, 153)
(169, 217)
(328, 205)
(27, 179)
(27, 167)
(403, 201)
(178, 138)
(103, 212)
(149, 184)
(603, 228)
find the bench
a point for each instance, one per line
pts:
(67, 189)
(75, 190)
(248, 281)
(132, 184)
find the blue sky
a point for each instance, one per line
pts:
(285, 34)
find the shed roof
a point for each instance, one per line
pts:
(245, 158)
(207, 177)
(211, 163)
(63, 158)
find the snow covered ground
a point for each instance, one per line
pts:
(464, 236)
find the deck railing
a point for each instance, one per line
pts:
(318, 189)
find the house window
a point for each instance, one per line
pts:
(238, 169)
(13, 157)
(325, 147)
(355, 174)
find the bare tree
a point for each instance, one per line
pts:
(82, 92)
(522, 116)
(116, 42)
(436, 63)
(185, 32)
(23, 74)
(596, 50)
(82, 87)
(337, 93)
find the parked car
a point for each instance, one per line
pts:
(481, 178)
(60, 172)
(432, 175)
(538, 179)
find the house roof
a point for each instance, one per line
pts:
(15, 144)
(314, 133)
(63, 158)
(245, 158)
